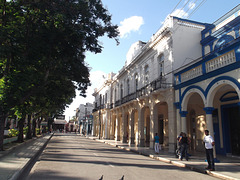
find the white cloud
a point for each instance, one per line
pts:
(130, 24)
(191, 5)
(180, 13)
(97, 79)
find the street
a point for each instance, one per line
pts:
(69, 156)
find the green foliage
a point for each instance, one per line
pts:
(38, 131)
(13, 132)
(43, 47)
(42, 51)
(25, 130)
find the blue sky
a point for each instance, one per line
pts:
(139, 20)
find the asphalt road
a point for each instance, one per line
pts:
(71, 157)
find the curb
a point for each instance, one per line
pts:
(176, 163)
(17, 174)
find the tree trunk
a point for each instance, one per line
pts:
(39, 126)
(34, 127)
(20, 128)
(2, 124)
(29, 133)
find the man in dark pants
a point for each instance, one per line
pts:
(209, 143)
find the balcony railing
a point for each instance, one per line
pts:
(157, 84)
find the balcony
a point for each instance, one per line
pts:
(157, 84)
(215, 62)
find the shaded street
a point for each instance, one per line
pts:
(69, 156)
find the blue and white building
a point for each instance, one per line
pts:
(207, 90)
(186, 78)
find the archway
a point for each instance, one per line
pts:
(146, 130)
(160, 118)
(196, 122)
(226, 117)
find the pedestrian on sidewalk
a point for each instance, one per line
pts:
(184, 142)
(157, 145)
(178, 150)
(209, 143)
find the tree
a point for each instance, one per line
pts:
(41, 40)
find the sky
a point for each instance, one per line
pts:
(139, 20)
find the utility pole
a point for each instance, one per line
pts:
(100, 116)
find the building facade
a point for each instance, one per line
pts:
(138, 101)
(207, 91)
(84, 118)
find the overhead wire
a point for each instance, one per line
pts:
(194, 10)
(197, 7)
(176, 6)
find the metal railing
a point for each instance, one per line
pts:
(157, 84)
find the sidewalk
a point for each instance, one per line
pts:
(228, 167)
(16, 159)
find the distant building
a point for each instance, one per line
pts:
(59, 123)
(84, 118)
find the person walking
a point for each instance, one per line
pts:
(209, 143)
(157, 146)
(178, 150)
(184, 141)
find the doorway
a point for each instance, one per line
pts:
(160, 128)
(231, 126)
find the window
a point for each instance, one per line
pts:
(136, 82)
(121, 91)
(146, 72)
(106, 98)
(128, 87)
(161, 64)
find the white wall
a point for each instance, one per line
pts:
(186, 43)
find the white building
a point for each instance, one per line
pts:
(138, 101)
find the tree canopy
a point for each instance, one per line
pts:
(42, 51)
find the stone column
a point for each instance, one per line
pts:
(124, 122)
(111, 124)
(107, 125)
(140, 128)
(131, 128)
(171, 127)
(152, 125)
(117, 133)
(178, 118)
(184, 121)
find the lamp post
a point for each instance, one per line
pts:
(100, 116)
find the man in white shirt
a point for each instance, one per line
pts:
(209, 143)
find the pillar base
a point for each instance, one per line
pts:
(172, 147)
(124, 140)
(141, 143)
(111, 137)
(132, 141)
